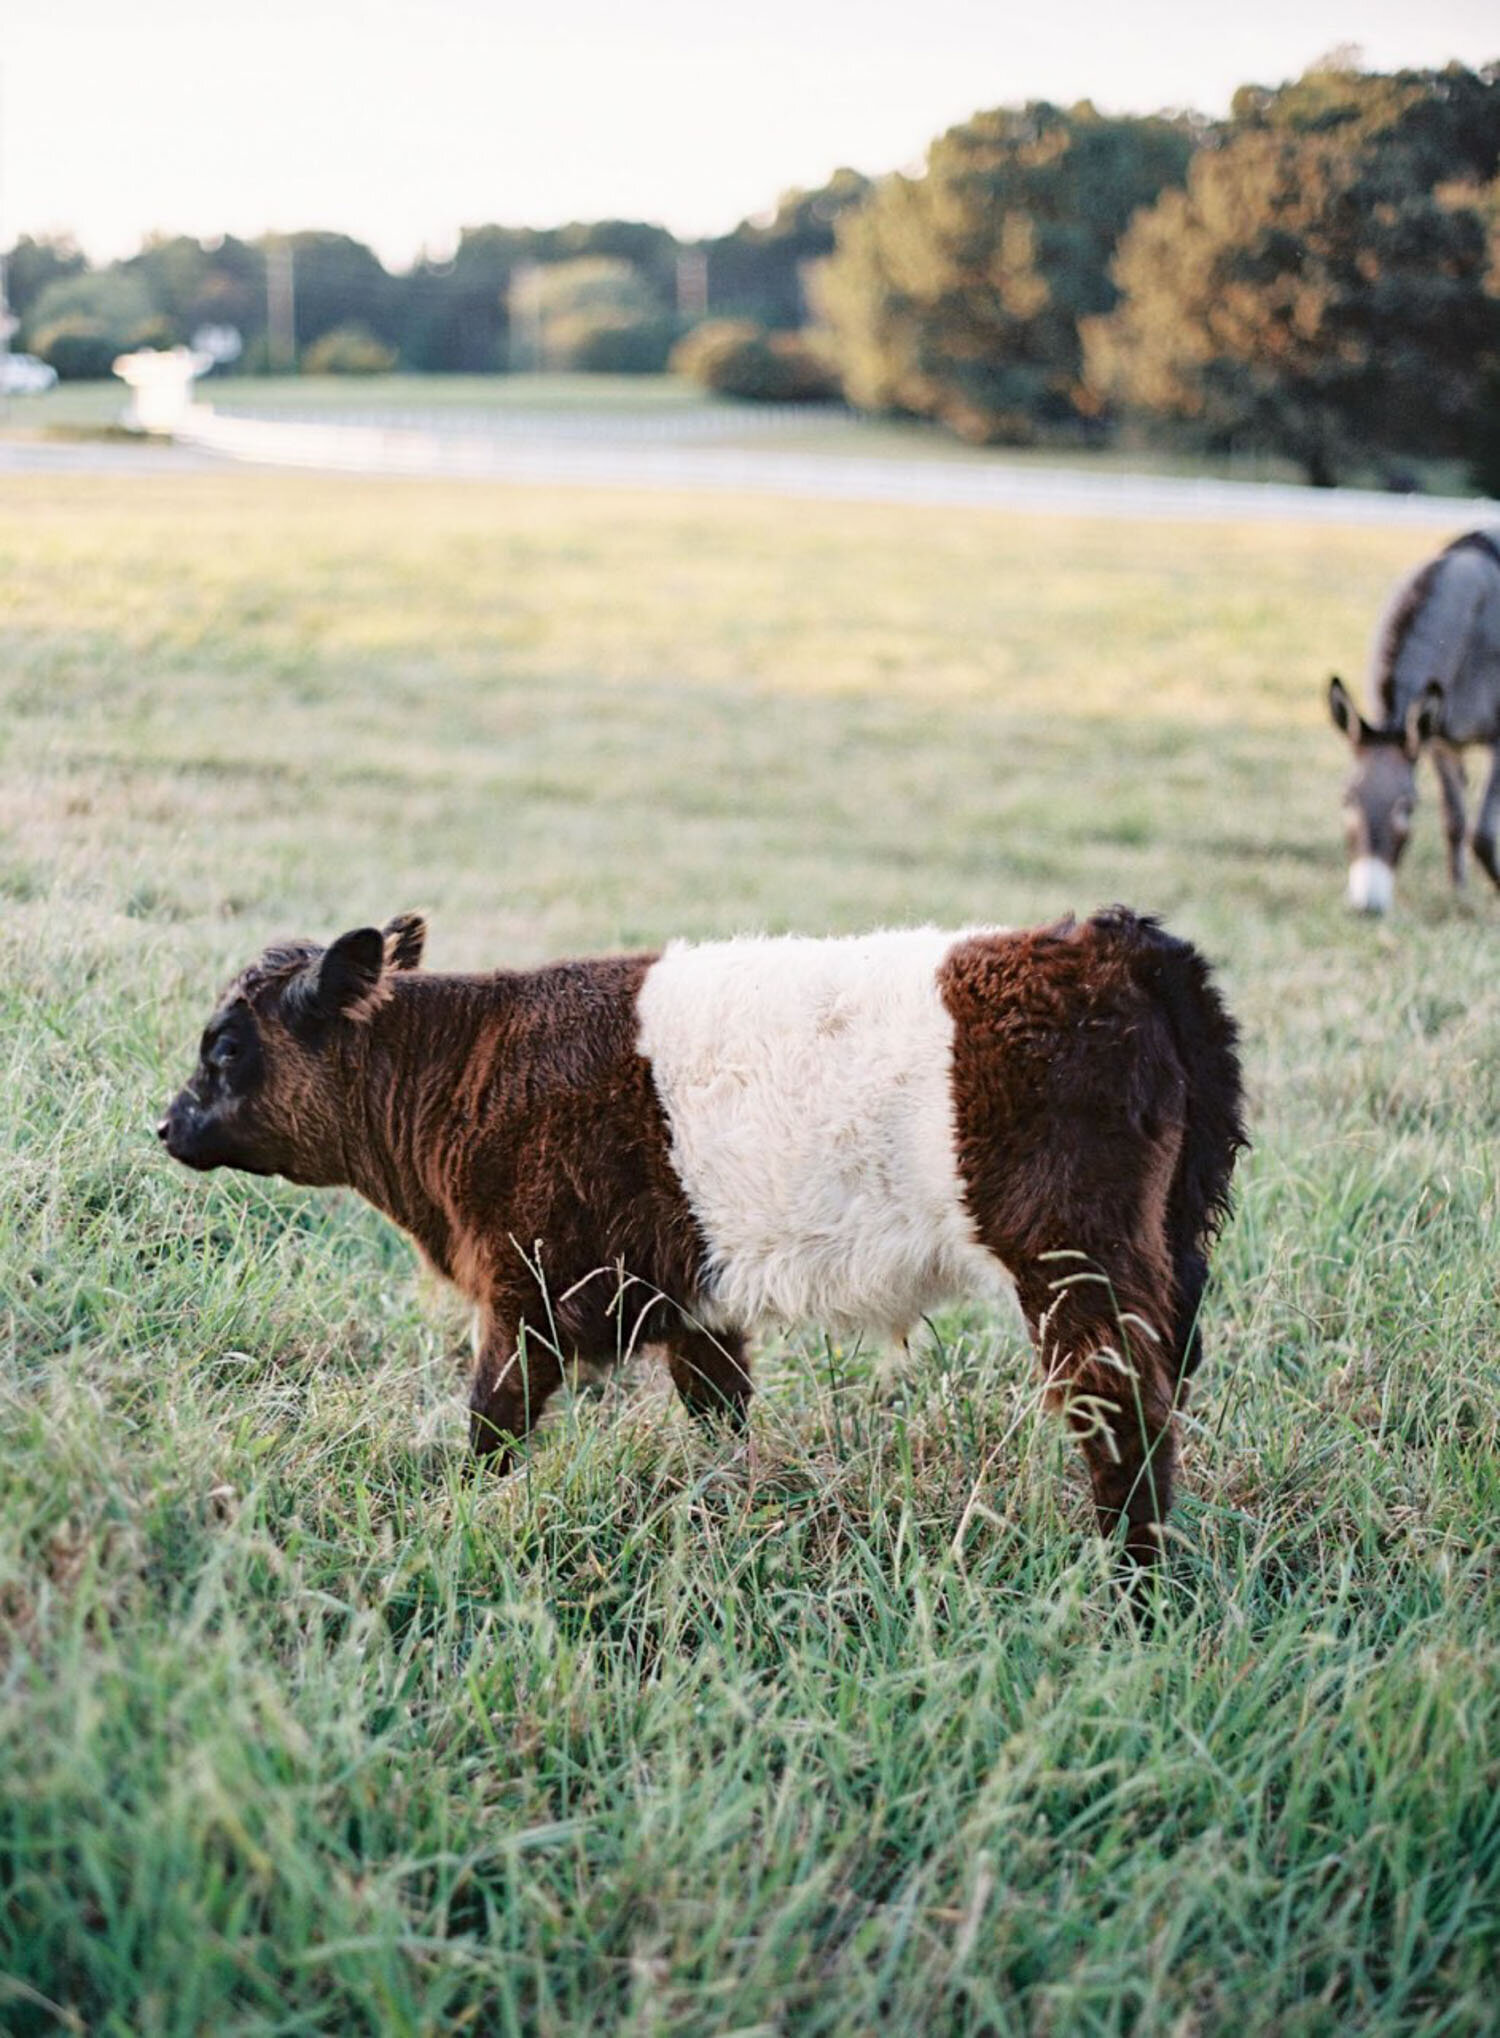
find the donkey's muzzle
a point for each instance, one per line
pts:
(1372, 885)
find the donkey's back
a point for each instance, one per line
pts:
(1442, 627)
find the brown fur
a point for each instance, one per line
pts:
(506, 1122)
(531, 1161)
(1096, 1097)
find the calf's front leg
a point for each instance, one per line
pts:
(514, 1378)
(712, 1374)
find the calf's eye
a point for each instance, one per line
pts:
(224, 1050)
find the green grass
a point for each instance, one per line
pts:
(300, 1732)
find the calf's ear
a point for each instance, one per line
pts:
(1424, 718)
(405, 938)
(348, 985)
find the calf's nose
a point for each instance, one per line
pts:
(161, 1129)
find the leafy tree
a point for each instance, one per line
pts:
(957, 294)
(735, 357)
(348, 350)
(1484, 447)
(592, 283)
(80, 323)
(339, 281)
(33, 263)
(760, 270)
(651, 251)
(1320, 286)
(193, 283)
(612, 343)
(455, 314)
(597, 310)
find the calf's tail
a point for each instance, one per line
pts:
(1206, 1040)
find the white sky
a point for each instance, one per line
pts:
(400, 123)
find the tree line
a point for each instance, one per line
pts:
(1317, 275)
(608, 294)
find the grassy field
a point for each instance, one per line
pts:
(299, 1732)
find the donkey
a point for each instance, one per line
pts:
(1433, 683)
(674, 1148)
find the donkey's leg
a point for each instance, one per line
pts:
(712, 1374)
(1487, 827)
(513, 1380)
(1106, 1339)
(1449, 765)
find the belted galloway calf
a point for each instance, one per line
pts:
(677, 1148)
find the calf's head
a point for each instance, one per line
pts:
(1381, 793)
(268, 1095)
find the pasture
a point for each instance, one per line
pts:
(302, 1733)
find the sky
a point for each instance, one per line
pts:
(402, 123)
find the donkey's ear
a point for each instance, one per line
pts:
(405, 938)
(349, 975)
(1424, 718)
(1346, 717)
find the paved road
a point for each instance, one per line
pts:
(609, 461)
(100, 456)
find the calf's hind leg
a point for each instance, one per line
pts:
(1102, 1340)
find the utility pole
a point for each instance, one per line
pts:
(281, 305)
(692, 283)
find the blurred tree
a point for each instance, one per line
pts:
(1322, 285)
(592, 283)
(735, 357)
(611, 343)
(348, 350)
(760, 270)
(339, 281)
(1484, 445)
(1484, 436)
(33, 263)
(453, 313)
(650, 250)
(194, 283)
(595, 311)
(80, 323)
(957, 294)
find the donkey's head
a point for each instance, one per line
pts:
(268, 1095)
(1382, 791)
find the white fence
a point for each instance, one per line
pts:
(636, 452)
